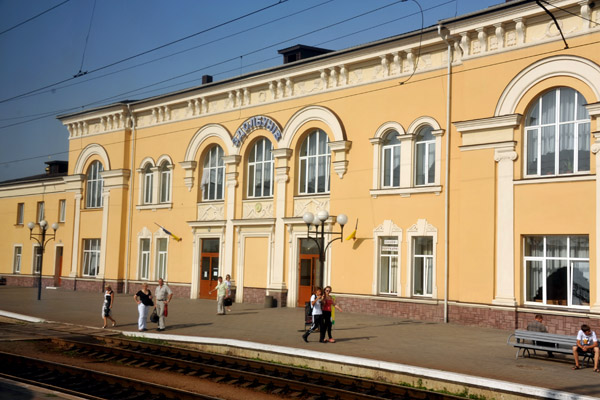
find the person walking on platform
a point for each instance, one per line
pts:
(163, 295)
(317, 314)
(327, 306)
(228, 298)
(143, 298)
(109, 297)
(221, 289)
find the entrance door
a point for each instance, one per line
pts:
(58, 266)
(209, 267)
(309, 270)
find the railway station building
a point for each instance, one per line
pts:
(466, 156)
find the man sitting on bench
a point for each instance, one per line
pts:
(538, 326)
(586, 343)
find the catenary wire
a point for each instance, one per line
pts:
(323, 102)
(34, 17)
(146, 51)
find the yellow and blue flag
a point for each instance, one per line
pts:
(177, 238)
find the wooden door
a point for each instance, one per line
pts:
(309, 273)
(209, 267)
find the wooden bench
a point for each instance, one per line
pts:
(527, 341)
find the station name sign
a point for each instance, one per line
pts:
(254, 123)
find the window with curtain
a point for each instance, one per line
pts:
(315, 162)
(165, 182)
(91, 257)
(144, 258)
(425, 156)
(260, 169)
(17, 259)
(388, 265)
(94, 185)
(557, 134)
(557, 270)
(390, 168)
(20, 213)
(62, 210)
(37, 259)
(213, 174)
(423, 266)
(41, 214)
(161, 258)
(148, 184)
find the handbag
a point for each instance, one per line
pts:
(154, 316)
(227, 302)
(166, 312)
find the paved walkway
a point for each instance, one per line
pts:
(442, 349)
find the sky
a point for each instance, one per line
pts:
(64, 56)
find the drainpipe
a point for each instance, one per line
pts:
(130, 201)
(443, 32)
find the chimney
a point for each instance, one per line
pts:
(206, 79)
(301, 52)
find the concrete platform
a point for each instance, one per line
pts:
(419, 352)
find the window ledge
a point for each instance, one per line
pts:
(406, 192)
(154, 207)
(556, 179)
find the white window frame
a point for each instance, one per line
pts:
(544, 259)
(427, 145)
(391, 152)
(306, 160)
(94, 185)
(17, 258)
(254, 165)
(40, 213)
(91, 257)
(36, 259)
(537, 130)
(62, 210)
(20, 213)
(144, 259)
(165, 182)
(213, 175)
(162, 258)
(386, 230)
(148, 185)
(426, 273)
(420, 229)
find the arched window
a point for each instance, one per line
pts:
(260, 169)
(213, 174)
(148, 184)
(390, 168)
(425, 156)
(557, 134)
(94, 185)
(165, 182)
(314, 164)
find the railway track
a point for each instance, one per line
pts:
(277, 379)
(282, 380)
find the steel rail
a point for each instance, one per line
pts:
(286, 379)
(86, 383)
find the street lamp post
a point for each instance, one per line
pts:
(42, 241)
(319, 236)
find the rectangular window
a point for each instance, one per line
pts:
(62, 210)
(165, 186)
(148, 180)
(144, 258)
(557, 270)
(91, 257)
(388, 265)
(37, 259)
(423, 266)
(20, 213)
(161, 258)
(40, 211)
(17, 259)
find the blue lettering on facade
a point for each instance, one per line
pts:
(252, 124)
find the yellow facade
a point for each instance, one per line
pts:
(474, 210)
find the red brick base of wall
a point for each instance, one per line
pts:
(254, 295)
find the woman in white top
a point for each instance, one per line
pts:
(317, 313)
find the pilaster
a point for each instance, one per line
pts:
(282, 158)
(231, 183)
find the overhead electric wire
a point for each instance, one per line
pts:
(78, 82)
(32, 18)
(569, 12)
(226, 61)
(355, 94)
(147, 51)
